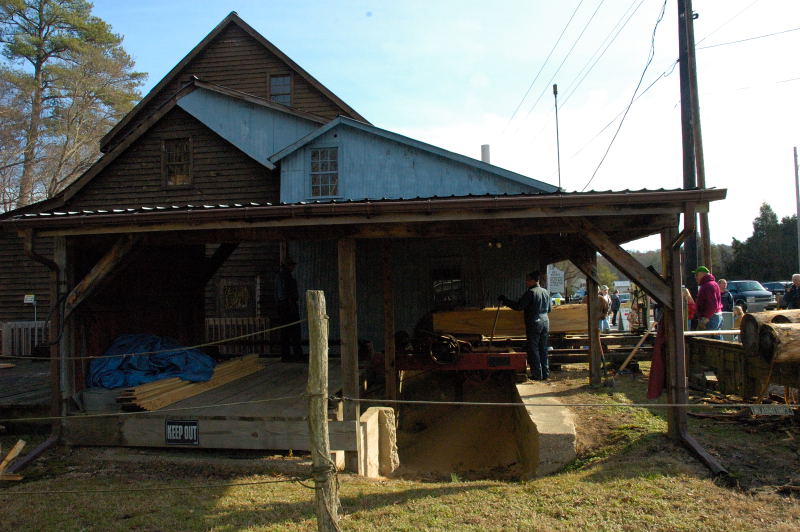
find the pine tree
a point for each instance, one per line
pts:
(77, 80)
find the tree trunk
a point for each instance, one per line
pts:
(779, 342)
(29, 155)
(751, 323)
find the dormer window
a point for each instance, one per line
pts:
(324, 172)
(176, 162)
(280, 89)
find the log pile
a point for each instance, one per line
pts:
(563, 319)
(158, 394)
(770, 335)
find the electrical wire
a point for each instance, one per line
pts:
(747, 39)
(728, 21)
(633, 96)
(592, 61)
(569, 52)
(553, 49)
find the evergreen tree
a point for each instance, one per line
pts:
(77, 81)
(770, 253)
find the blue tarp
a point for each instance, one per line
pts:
(115, 371)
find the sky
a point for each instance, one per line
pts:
(459, 74)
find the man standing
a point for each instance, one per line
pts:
(615, 304)
(791, 299)
(709, 304)
(286, 298)
(725, 296)
(535, 304)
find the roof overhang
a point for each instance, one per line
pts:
(628, 215)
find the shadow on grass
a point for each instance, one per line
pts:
(284, 513)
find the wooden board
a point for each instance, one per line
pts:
(563, 319)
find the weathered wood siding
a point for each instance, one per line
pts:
(253, 265)
(221, 172)
(374, 167)
(256, 130)
(486, 272)
(20, 275)
(237, 61)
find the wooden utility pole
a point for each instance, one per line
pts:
(797, 198)
(326, 493)
(687, 129)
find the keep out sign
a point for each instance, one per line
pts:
(182, 432)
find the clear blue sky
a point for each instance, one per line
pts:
(452, 73)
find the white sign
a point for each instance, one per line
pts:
(623, 286)
(555, 279)
(29, 299)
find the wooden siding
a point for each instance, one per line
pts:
(254, 263)
(257, 131)
(486, 272)
(20, 275)
(221, 173)
(237, 61)
(374, 167)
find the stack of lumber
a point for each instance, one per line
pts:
(158, 394)
(751, 332)
(563, 319)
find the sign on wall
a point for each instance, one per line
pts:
(555, 279)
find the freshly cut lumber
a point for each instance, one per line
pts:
(752, 322)
(563, 319)
(779, 342)
(158, 394)
(13, 453)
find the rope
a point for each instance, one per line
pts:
(146, 412)
(589, 405)
(172, 350)
(155, 488)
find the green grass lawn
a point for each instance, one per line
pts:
(628, 476)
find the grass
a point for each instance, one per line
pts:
(628, 476)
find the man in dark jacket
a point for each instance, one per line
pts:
(791, 299)
(725, 296)
(535, 304)
(615, 304)
(286, 300)
(709, 303)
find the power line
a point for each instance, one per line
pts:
(542, 67)
(728, 21)
(574, 88)
(633, 97)
(748, 39)
(585, 27)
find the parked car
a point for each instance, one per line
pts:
(578, 296)
(751, 296)
(624, 298)
(556, 298)
(778, 289)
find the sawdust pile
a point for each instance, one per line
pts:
(470, 441)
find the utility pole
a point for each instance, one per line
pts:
(797, 197)
(687, 131)
(705, 234)
(558, 142)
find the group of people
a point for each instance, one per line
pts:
(610, 304)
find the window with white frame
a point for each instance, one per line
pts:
(324, 172)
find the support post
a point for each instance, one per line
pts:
(326, 493)
(389, 355)
(348, 333)
(593, 327)
(675, 346)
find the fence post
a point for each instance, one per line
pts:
(326, 491)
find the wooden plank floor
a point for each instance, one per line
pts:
(26, 384)
(277, 379)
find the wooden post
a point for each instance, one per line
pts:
(389, 355)
(595, 364)
(675, 347)
(348, 333)
(326, 493)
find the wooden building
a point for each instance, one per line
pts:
(238, 150)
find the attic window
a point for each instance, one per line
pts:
(324, 172)
(280, 89)
(176, 161)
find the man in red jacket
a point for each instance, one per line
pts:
(709, 302)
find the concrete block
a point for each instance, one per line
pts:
(389, 459)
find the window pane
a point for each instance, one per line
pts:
(177, 161)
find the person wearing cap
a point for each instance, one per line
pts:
(709, 302)
(286, 299)
(535, 304)
(605, 308)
